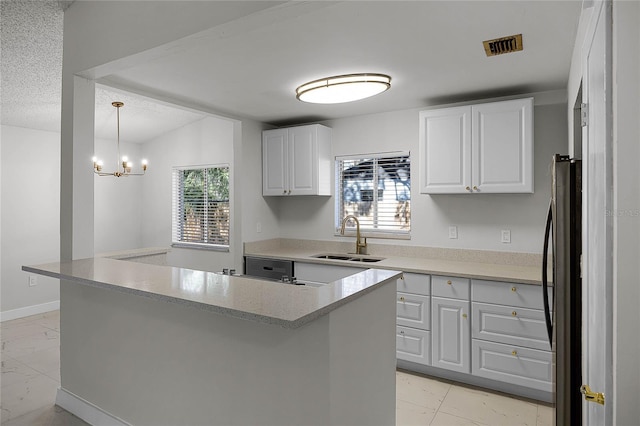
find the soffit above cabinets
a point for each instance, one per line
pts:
(432, 50)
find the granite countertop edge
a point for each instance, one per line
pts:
(293, 323)
(521, 274)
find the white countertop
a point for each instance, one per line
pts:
(525, 274)
(286, 305)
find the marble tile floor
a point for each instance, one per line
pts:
(31, 375)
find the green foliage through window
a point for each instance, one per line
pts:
(201, 205)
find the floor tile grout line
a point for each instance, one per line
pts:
(440, 405)
(35, 369)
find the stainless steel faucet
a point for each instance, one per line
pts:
(360, 246)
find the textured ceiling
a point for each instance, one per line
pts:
(432, 49)
(31, 63)
(31, 68)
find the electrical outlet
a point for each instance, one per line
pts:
(453, 232)
(259, 227)
(506, 236)
(33, 280)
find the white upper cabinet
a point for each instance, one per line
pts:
(296, 161)
(445, 150)
(275, 153)
(483, 148)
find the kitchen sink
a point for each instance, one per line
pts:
(332, 256)
(348, 257)
(365, 259)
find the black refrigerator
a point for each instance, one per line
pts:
(563, 308)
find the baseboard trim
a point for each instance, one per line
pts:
(29, 310)
(85, 410)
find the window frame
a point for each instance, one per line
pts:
(398, 234)
(177, 201)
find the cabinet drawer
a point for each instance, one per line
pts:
(415, 283)
(414, 310)
(513, 364)
(413, 345)
(502, 293)
(505, 324)
(451, 287)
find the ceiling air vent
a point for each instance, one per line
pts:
(502, 45)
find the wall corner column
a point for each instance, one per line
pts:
(76, 173)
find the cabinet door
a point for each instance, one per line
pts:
(445, 150)
(413, 344)
(503, 146)
(275, 157)
(413, 310)
(303, 161)
(513, 364)
(415, 283)
(451, 344)
(510, 325)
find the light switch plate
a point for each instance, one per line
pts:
(33, 280)
(453, 232)
(506, 236)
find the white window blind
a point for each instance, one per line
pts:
(375, 188)
(201, 207)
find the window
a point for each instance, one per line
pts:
(377, 190)
(201, 207)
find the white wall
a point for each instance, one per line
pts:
(93, 50)
(626, 199)
(30, 182)
(479, 217)
(256, 209)
(117, 201)
(208, 141)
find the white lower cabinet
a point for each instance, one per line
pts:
(413, 310)
(516, 365)
(413, 338)
(413, 344)
(510, 342)
(451, 331)
(510, 325)
(486, 329)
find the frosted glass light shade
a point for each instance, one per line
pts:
(343, 88)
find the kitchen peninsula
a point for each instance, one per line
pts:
(149, 345)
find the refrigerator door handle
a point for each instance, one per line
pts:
(545, 284)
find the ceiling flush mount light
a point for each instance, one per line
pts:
(123, 168)
(343, 88)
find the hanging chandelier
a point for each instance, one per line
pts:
(123, 165)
